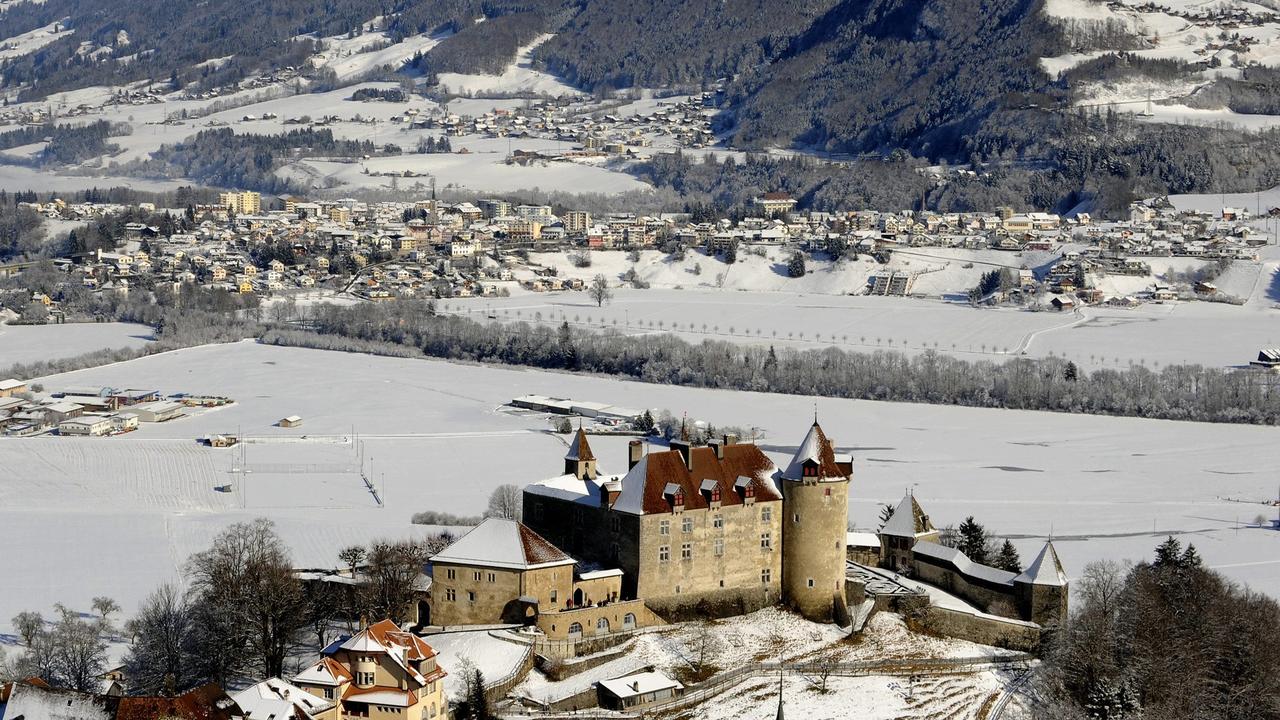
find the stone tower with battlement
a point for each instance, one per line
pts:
(815, 502)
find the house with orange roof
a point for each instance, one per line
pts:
(380, 673)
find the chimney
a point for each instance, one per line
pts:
(718, 447)
(685, 450)
(635, 451)
(731, 439)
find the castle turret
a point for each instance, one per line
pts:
(580, 462)
(815, 500)
(905, 527)
(1042, 589)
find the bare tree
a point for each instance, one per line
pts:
(395, 571)
(352, 556)
(105, 606)
(247, 575)
(599, 290)
(28, 624)
(160, 661)
(504, 502)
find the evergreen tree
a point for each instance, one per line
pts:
(886, 512)
(1168, 554)
(795, 266)
(1007, 558)
(1190, 558)
(477, 703)
(645, 423)
(973, 540)
(1070, 373)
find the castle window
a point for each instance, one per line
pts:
(575, 629)
(471, 596)
(766, 514)
(686, 525)
(602, 625)
(553, 600)
(450, 595)
(664, 527)
(715, 494)
(717, 521)
(766, 541)
(615, 523)
(493, 577)
(766, 575)
(810, 583)
(811, 470)
(664, 553)
(477, 575)
(686, 551)
(795, 517)
(449, 573)
(826, 492)
(718, 547)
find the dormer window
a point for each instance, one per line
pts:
(749, 491)
(810, 469)
(674, 495)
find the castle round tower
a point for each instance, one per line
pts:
(815, 503)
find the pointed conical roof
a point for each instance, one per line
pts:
(815, 448)
(1046, 569)
(908, 519)
(579, 450)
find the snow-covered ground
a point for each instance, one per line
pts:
(118, 516)
(31, 343)
(518, 77)
(495, 657)
(803, 314)
(1187, 30)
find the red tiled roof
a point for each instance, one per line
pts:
(739, 460)
(207, 702)
(537, 549)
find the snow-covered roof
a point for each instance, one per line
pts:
(568, 487)
(639, 684)
(963, 563)
(41, 703)
(908, 520)
(275, 699)
(1046, 569)
(815, 449)
(501, 543)
(363, 642)
(598, 574)
(861, 539)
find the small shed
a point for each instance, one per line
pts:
(290, 422)
(637, 691)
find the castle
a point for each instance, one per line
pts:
(714, 530)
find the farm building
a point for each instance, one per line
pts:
(290, 422)
(124, 422)
(85, 425)
(1268, 358)
(158, 411)
(12, 387)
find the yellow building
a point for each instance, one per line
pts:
(380, 673)
(241, 203)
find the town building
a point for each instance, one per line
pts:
(380, 673)
(241, 203)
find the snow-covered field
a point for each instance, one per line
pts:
(30, 343)
(1174, 333)
(118, 516)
